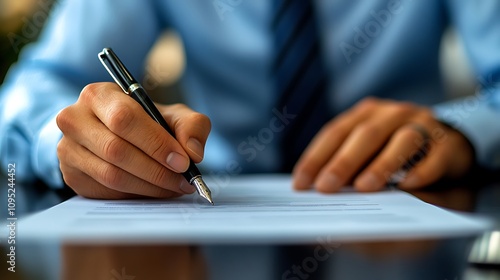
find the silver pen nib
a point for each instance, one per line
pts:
(202, 188)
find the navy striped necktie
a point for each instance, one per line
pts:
(299, 76)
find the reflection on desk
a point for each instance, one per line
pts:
(419, 259)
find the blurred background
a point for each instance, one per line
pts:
(22, 20)
(12, 14)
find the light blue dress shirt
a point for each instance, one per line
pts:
(388, 49)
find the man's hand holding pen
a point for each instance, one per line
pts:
(112, 149)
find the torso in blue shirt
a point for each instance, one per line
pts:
(388, 49)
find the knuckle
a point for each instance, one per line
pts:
(427, 116)
(72, 182)
(111, 176)
(368, 130)
(201, 120)
(189, 118)
(62, 151)
(89, 92)
(119, 117)
(368, 104)
(68, 177)
(66, 153)
(76, 181)
(402, 109)
(63, 119)
(179, 106)
(408, 133)
(113, 149)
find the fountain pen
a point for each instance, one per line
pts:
(132, 88)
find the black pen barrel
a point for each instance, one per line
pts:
(140, 95)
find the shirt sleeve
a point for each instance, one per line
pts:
(51, 73)
(478, 116)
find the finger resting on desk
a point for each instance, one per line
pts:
(318, 153)
(400, 152)
(339, 150)
(359, 147)
(325, 144)
(428, 170)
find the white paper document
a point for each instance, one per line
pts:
(252, 209)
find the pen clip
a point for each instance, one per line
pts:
(116, 69)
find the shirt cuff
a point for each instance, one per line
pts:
(477, 120)
(45, 161)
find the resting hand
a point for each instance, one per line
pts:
(112, 149)
(364, 146)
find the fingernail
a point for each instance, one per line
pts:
(187, 188)
(368, 182)
(328, 183)
(302, 181)
(177, 162)
(195, 146)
